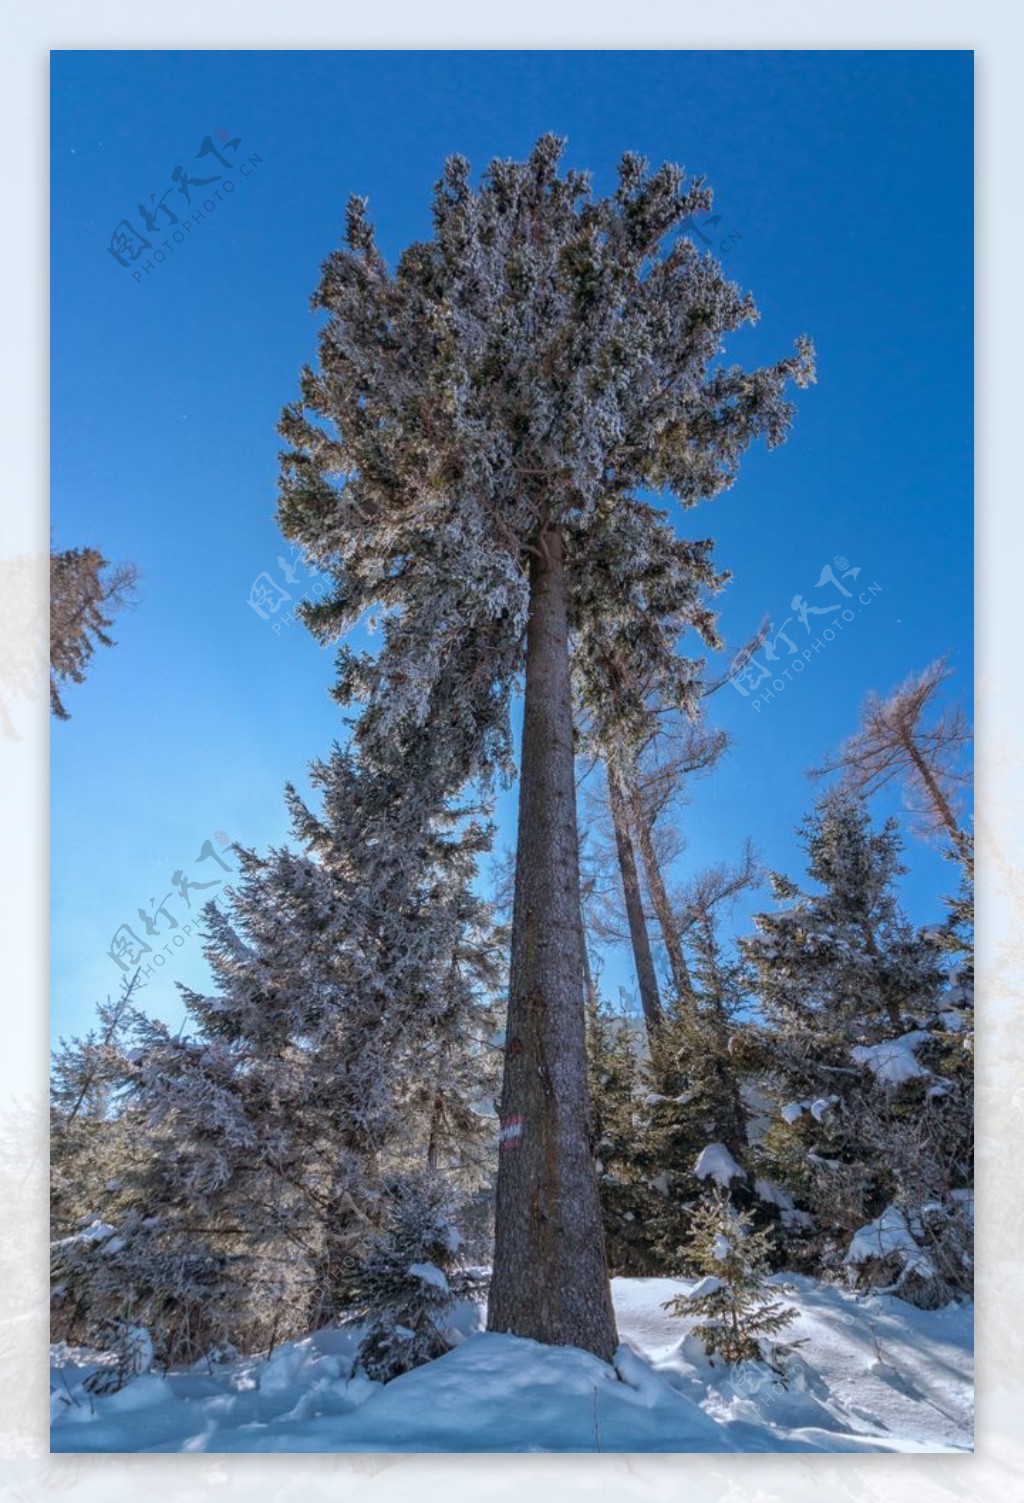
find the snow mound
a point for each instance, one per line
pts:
(717, 1163)
(894, 1061)
(772, 1194)
(886, 1236)
(708, 1285)
(96, 1231)
(871, 1374)
(429, 1273)
(794, 1110)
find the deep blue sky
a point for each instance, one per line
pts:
(844, 186)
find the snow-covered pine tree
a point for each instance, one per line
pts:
(721, 990)
(935, 1147)
(353, 1000)
(346, 1045)
(89, 1137)
(908, 736)
(852, 1048)
(406, 1284)
(733, 1303)
(467, 461)
(132, 1272)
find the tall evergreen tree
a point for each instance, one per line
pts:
(466, 461)
(344, 1049)
(354, 979)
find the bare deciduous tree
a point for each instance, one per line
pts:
(896, 740)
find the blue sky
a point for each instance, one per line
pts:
(843, 182)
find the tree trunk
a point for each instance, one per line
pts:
(550, 1280)
(589, 983)
(888, 1001)
(939, 802)
(436, 1120)
(661, 904)
(647, 978)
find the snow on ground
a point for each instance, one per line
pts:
(870, 1374)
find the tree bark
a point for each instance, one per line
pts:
(643, 959)
(888, 1001)
(662, 905)
(550, 1280)
(436, 1119)
(940, 803)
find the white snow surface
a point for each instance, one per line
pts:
(717, 1163)
(451, 1235)
(96, 1231)
(429, 1273)
(767, 1190)
(894, 1061)
(886, 1235)
(873, 1374)
(708, 1285)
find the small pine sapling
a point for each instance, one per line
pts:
(407, 1284)
(733, 1302)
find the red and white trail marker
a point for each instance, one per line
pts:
(511, 1133)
